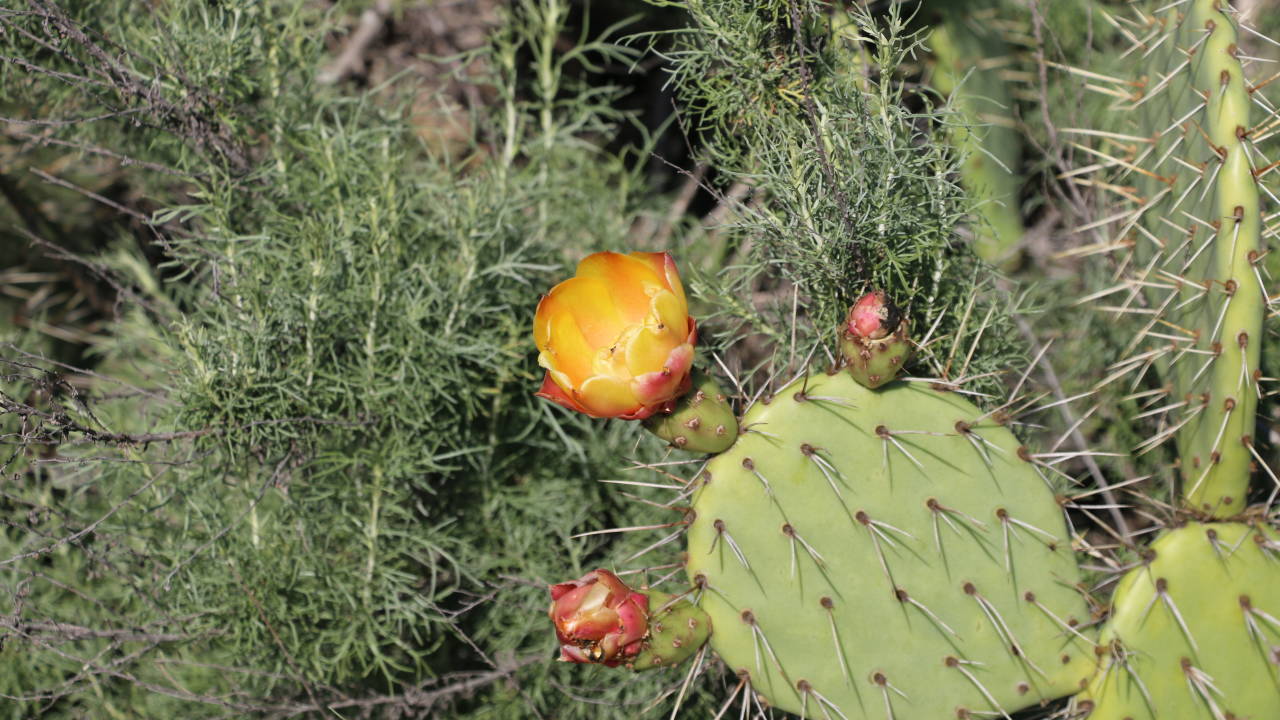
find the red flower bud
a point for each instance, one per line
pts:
(873, 317)
(599, 619)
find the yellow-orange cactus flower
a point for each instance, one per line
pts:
(616, 339)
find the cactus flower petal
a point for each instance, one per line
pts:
(616, 340)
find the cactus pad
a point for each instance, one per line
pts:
(1195, 631)
(1185, 162)
(886, 554)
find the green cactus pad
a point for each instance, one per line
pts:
(964, 50)
(677, 630)
(1195, 630)
(702, 420)
(890, 553)
(1183, 154)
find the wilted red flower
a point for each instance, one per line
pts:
(599, 619)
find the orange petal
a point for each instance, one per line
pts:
(605, 396)
(663, 384)
(664, 266)
(591, 304)
(630, 281)
(553, 392)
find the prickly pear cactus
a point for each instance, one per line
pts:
(1182, 162)
(890, 553)
(1195, 630)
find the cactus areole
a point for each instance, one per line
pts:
(874, 340)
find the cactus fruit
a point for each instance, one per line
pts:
(701, 421)
(1190, 230)
(892, 551)
(1195, 630)
(874, 340)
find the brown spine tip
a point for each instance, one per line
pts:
(718, 524)
(1023, 688)
(1029, 596)
(862, 517)
(1162, 585)
(788, 530)
(1242, 340)
(1246, 603)
(1229, 404)
(879, 679)
(882, 431)
(932, 504)
(1066, 659)
(970, 589)
(1002, 513)
(803, 685)
(748, 617)
(825, 602)
(963, 427)
(807, 449)
(1024, 454)
(1185, 663)
(748, 463)
(800, 397)
(951, 661)
(901, 595)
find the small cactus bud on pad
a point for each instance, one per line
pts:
(874, 340)
(886, 548)
(1194, 633)
(677, 630)
(701, 421)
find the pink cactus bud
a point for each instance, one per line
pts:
(599, 619)
(873, 316)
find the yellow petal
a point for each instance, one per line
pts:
(567, 355)
(670, 317)
(664, 266)
(589, 302)
(605, 396)
(648, 350)
(630, 281)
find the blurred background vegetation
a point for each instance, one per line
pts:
(267, 278)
